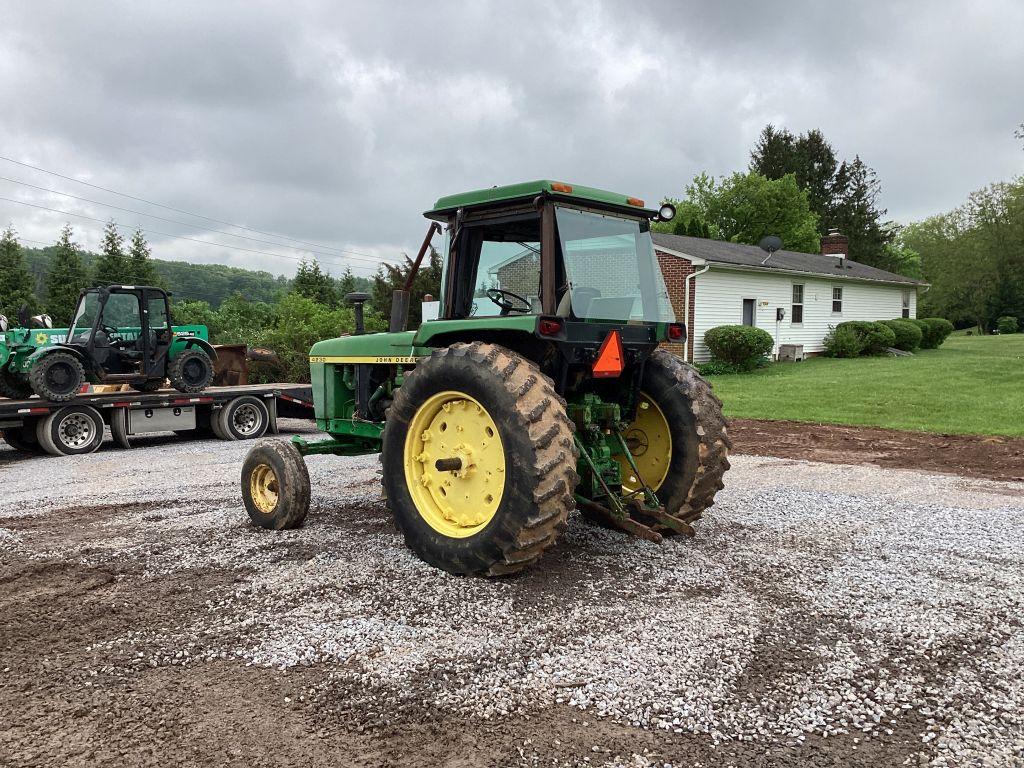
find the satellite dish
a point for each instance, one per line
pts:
(770, 244)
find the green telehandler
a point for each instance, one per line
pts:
(539, 388)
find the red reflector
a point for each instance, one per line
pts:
(549, 327)
(675, 332)
(609, 362)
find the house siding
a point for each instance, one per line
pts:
(719, 295)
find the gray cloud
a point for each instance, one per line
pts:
(340, 124)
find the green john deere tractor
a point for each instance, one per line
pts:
(539, 388)
(120, 334)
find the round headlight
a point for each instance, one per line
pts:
(667, 212)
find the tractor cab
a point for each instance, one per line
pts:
(123, 330)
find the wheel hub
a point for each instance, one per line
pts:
(650, 442)
(456, 502)
(76, 430)
(264, 488)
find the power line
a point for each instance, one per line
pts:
(182, 223)
(167, 234)
(178, 210)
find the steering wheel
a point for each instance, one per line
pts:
(111, 331)
(497, 295)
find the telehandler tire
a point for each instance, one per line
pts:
(479, 460)
(191, 371)
(58, 377)
(275, 485)
(678, 440)
(15, 385)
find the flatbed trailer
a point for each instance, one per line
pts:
(76, 427)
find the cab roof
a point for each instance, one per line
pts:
(529, 190)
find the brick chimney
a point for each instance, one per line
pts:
(836, 244)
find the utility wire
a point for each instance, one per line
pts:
(183, 223)
(178, 210)
(167, 234)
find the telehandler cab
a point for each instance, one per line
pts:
(120, 334)
(539, 389)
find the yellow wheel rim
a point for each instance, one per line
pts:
(650, 441)
(456, 503)
(264, 488)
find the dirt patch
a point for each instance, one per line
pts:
(992, 458)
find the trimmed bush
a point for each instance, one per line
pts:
(741, 346)
(875, 338)
(935, 330)
(908, 335)
(715, 368)
(843, 342)
(1007, 324)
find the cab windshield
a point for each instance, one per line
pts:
(611, 268)
(85, 316)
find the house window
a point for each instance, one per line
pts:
(837, 301)
(906, 303)
(797, 313)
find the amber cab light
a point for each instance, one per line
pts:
(549, 326)
(558, 186)
(675, 332)
(635, 201)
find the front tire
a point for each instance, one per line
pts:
(191, 371)
(509, 500)
(58, 377)
(15, 385)
(275, 485)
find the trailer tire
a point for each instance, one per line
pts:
(58, 377)
(15, 385)
(73, 430)
(23, 438)
(275, 485)
(217, 424)
(244, 418)
(119, 428)
(191, 371)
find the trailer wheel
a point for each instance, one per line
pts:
(23, 438)
(244, 418)
(275, 485)
(71, 431)
(191, 371)
(217, 424)
(119, 428)
(58, 377)
(14, 385)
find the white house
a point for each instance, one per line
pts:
(796, 297)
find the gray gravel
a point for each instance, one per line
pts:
(816, 600)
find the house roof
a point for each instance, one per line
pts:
(740, 255)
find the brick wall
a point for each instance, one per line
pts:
(675, 271)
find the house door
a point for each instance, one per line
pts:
(748, 311)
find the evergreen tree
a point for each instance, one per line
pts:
(66, 278)
(390, 276)
(112, 266)
(141, 270)
(313, 283)
(17, 288)
(854, 212)
(346, 284)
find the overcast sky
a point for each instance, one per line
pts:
(340, 123)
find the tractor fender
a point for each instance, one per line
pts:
(181, 343)
(42, 352)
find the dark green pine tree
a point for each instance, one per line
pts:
(17, 288)
(141, 269)
(313, 283)
(66, 278)
(346, 283)
(111, 267)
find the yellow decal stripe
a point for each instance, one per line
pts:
(371, 359)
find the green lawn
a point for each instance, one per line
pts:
(972, 385)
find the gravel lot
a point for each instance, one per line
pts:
(824, 615)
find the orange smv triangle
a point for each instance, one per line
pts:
(609, 362)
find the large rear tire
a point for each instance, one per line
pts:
(679, 438)
(191, 371)
(275, 485)
(510, 496)
(58, 377)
